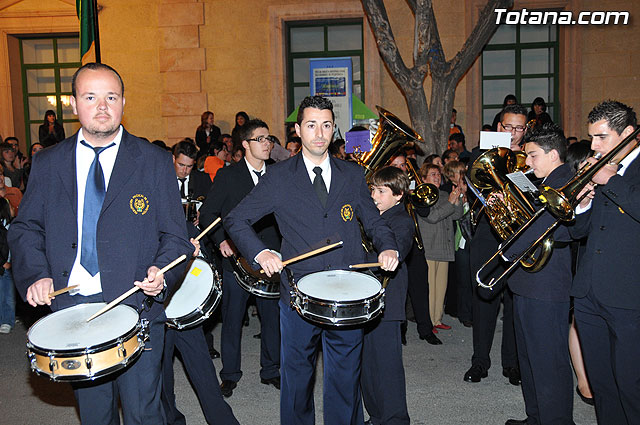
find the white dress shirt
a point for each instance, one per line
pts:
(89, 285)
(252, 171)
(326, 170)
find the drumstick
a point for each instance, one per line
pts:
(204, 232)
(62, 291)
(308, 254)
(135, 288)
(364, 265)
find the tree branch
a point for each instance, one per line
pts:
(379, 21)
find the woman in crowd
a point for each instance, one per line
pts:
(36, 147)
(8, 160)
(437, 231)
(51, 131)
(206, 133)
(241, 120)
(539, 113)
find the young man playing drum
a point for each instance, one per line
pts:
(315, 198)
(103, 212)
(382, 380)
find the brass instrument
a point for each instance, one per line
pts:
(508, 208)
(391, 136)
(424, 195)
(561, 203)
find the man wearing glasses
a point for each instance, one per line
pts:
(485, 311)
(230, 186)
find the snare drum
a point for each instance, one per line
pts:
(196, 297)
(64, 346)
(338, 297)
(255, 283)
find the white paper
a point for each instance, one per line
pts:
(522, 181)
(492, 139)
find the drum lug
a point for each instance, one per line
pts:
(122, 352)
(367, 306)
(53, 364)
(88, 362)
(143, 334)
(32, 360)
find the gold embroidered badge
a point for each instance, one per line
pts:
(346, 212)
(139, 204)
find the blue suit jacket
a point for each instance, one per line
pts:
(609, 266)
(286, 190)
(141, 223)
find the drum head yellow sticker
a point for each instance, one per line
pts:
(346, 212)
(196, 271)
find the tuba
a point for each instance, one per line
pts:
(509, 208)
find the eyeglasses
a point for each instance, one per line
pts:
(518, 128)
(260, 139)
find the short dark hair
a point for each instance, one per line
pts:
(93, 66)
(317, 102)
(214, 146)
(486, 127)
(185, 148)
(4, 146)
(549, 137)
(576, 153)
(245, 132)
(430, 158)
(618, 115)
(12, 138)
(458, 138)
(516, 109)
(393, 178)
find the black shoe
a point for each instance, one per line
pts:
(403, 339)
(516, 422)
(227, 387)
(466, 323)
(587, 400)
(257, 336)
(475, 373)
(513, 373)
(431, 339)
(271, 381)
(245, 321)
(215, 354)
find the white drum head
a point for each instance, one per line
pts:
(68, 329)
(339, 285)
(193, 291)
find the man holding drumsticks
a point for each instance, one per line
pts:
(103, 211)
(314, 198)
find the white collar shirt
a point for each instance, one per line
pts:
(326, 170)
(253, 171)
(89, 285)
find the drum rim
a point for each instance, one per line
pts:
(257, 283)
(132, 331)
(207, 308)
(216, 283)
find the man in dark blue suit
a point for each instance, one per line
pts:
(103, 211)
(315, 199)
(606, 287)
(541, 300)
(230, 186)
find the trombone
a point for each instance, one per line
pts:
(561, 203)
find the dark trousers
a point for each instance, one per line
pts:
(610, 339)
(542, 336)
(419, 289)
(201, 372)
(462, 276)
(138, 386)
(234, 305)
(382, 380)
(341, 351)
(485, 316)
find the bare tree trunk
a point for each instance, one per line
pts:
(430, 121)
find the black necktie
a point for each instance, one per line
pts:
(258, 173)
(183, 193)
(320, 187)
(93, 198)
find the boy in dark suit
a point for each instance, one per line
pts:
(382, 379)
(541, 300)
